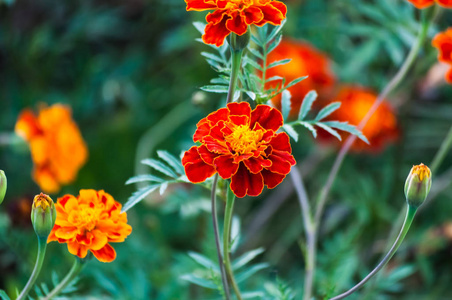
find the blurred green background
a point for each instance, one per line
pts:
(131, 71)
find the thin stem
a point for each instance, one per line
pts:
(42, 245)
(73, 272)
(226, 238)
(217, 238)
(442, 152)
(410, 212)
(236, 59)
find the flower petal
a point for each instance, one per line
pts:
(253, 15)
(105, 254)
(240, 109)
(200, 5)
(256, 164)
(245, 183)
(271, 179)
(195, 168)
(216, 33)
(225, 166)
(268, 117)
(236, 24)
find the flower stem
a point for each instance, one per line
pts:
(442, 152)
(42, 245)
(410, 213)
(217, 238)
(73, 272)
(226, 238)
(236, 59)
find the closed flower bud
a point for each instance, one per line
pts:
(3, 185)
(417, 185)
(239, 42)
(43, 215)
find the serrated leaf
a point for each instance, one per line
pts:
(344, 126)
(285, 103)
(203, 261)
(138, 196)
(246, 258)
(200, 26)
(143, 178)
(212, 57)
(274, 44)
(279, 63)
(163, 187)
(310, 127)
(219, 81)
(255, 52)
(4, 296)
(327, 110)
(251, 271)
(273, 78)
(330, 130)
(291, 132)
(251, 62)
(199, 281)
(295, 81)
(276, 30)
(171, 160)
(159, 166)
(306, 105)
(251, 95)
(215, 88)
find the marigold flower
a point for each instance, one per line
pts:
(421, 4)
(43, 215)
(242, 145)
(381, 128)
(418, 184)
(443, 42)
(57, 147)
(91, 222)
(306, 60)
(235, 16)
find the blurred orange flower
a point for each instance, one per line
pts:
(91, 222)
(306, 60)
(235, 16)
(421, 4)
(381, 128)
(443, 42)
(57, 147)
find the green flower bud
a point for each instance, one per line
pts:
(43, 215)
(3, 185)
(417, 185)
(239, 42)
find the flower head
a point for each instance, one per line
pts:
(3, 185)
(443, 42)
(418, 184)
(305, 61)
(235, 16)
(241, 144)
(43, 215)
(421, 4)
(91, 222)
(381, 128)
(57, 147)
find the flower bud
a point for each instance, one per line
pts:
(239, 42)
(43, 215)
(417, 185)
(3, 185)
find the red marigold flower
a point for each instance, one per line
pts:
(381, 128)
(421, 4)
(57, 147)
(91, 222)
(306, 60)
(443, 42)
(242, 145)
(235, 16)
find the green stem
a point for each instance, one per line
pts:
(410, 213)
(236, 59)
(73, 272)
(442, 152)
(226, 238)
(217, 238)
(42, 245)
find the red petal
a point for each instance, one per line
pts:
(281, 142)
(445, 3)
(216, 146)
(253, 15)
(245, 183)
(449, 76)
(216, 33)
(202, 130)
(239, 120)
(237, 24)
(195, 168)
(268, 117)
(216, 16)
(242, 108)
(206, 155)
(274, 13)
(255, 165)
(225, 166)
(200, 5)
(105, 254)
(271, 180)
(280, 162)
(219, 115)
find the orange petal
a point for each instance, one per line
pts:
(105, 254)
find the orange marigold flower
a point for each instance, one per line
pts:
(306, 60)
(242, 145)
(91, 222)
(443, 42)
(57, 147)
(381, 128)
(235, 16)
(421, 4)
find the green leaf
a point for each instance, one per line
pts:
(199, 281)
(215, 88)
(327, 110)
(171, 160)
(251, 271)
(307, 104)
(246, 258)
(143, 178)
(276, 31)
(279, 63)
(203, 261)
(200, 26)
(4, 296)
(344, 126)
(285, 103)
(274, 44)
(310, 127)
(295, 81)
(330, 130)
(161, 167)
(139, 195)
(213, 57)
(291, 132)
(255, 52)
(251, 62)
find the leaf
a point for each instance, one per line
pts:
(295, 81)
(310, 127)
(138, 196)
(251, 62)
(330, 130)
(163, 187)
(279, 63)
(327, 110)
(291, 132)
(251, 95)
(199, 281)
(255, 52)
(171, 160)
(143, 178)
(285, 103)
(215, 88)
(276, 31)
(246, 258)
(162, 168)
(200, 26)
(344, 126)
(212, 57)
(273, 78)
(203, 261)
(251, 271)
(274, 44)
(306, 105)
(4, 296)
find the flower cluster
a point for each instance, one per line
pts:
(57, 147)
(91, 222)
(235, 16)
(305, 60)
(241, 144)
(443, 42)
(421, 4)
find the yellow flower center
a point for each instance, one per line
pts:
(422, 171)
(86, 218)
(244, 140)
(42, 200)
